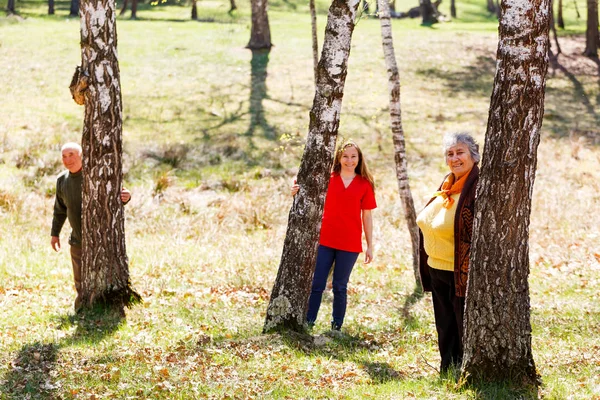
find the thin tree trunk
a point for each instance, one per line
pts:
(560, 21)
(497, 342)
(10, 7)
(289, 298)
(592, 41)
(50, 7)
(453, 8)
(124, 8)
(315, 42)
(398, 134)
(134, 9)
(491, 6)
(553, 26)
(232, 6)
(260, 34)
(74, 9)
(576, 9)
(105, 271)
(194, 11)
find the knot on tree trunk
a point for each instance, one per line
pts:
(78, 86)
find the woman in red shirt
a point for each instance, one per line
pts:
(350, 199)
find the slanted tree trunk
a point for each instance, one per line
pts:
(315, 42)
(592, 40)
(260, 34)
(398, 134)
(134, 4)
(576, 9)
(10, 7)
(194, 11)
(289, 298)
(453, 8)
(232, 6)
(427, 13)
(497, 341)
(553, 26)
(124, 8)
(105, 271)
(50, 7)
(74, 10)
(559, 20)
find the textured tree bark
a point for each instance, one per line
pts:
(315, 42)
(497, 342)
(559, 20)
(289, 298)
(592, 40)
(398, 134)
(260, 33)
(105, 271)
(50, 7)
(74, 9)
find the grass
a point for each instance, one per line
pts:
(210, 200)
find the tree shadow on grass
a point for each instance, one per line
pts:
(409, 302)
(258, 92)
(32, 372)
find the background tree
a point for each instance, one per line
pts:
(50, 7)
(497, 342)
(491, 6)
(592, 40)
(232, 6)
(453, 8)
(134, 4)
(398, 133)
(194, 11)
(559, 20)
(105, 271)
(10, 7)
(289, 298)
(74, 9)
(315, 42)
(428, 12)
(260, 34)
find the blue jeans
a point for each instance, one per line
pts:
(344, 262)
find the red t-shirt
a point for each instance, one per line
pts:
(341, 227)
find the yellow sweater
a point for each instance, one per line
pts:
(437, 225)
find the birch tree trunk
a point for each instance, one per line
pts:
(497, 342)
(260, 33)
(105, 271)
(592, 40)
(315, 42)
(398, 134)
(289, 298)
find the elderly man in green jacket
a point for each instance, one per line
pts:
(67, 205)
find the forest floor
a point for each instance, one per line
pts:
(213, 136)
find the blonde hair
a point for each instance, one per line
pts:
(361, 168)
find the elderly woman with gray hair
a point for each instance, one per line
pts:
(446, 226)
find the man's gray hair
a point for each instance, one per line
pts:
(452, 139)
(71, 146)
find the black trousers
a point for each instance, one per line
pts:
(449, 312)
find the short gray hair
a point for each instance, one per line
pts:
(71, 146)
(452, 139)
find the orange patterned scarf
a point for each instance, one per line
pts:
(449, 187)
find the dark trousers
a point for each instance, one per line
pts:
(344, 262)
(449, 312)
(76, 261)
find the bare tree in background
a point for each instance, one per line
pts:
(289, 298)
(592, 40)
(398, 134)
(497, 341)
